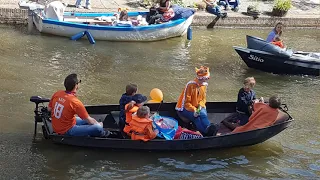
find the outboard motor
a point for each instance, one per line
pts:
(55, 10)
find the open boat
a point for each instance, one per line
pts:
(53, 20)
(270, 58)
(217, 111)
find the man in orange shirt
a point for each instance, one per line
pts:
(64, 106)
(192, 102)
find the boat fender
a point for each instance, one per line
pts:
(189, 33)
(77, 36)
(90, 37)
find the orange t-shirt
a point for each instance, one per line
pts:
(278, 43)
(64, 106)
(262, 116)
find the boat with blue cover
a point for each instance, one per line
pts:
(100, 26)
(267, 57)
(109, 115)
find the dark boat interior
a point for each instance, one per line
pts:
(109, 115)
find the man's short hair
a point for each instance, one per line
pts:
(274, 101)
(70, 81)
(143, 111)
(131, 88)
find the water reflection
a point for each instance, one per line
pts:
(37, 64)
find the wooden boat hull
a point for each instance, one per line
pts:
(113, 33)
(217, 111)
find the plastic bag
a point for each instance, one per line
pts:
(167, 126)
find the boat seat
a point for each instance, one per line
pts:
(183, 119)
(115, 115)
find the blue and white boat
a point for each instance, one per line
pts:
(53, 20)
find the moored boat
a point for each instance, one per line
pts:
(53, 20)
(108, 114)
(270, 58)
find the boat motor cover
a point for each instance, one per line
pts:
(55, 10)
(262, 45)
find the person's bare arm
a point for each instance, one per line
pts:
(168, 4)
(92, 121)
(207, 3)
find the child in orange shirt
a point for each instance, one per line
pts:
(277, 41)
(141, 125)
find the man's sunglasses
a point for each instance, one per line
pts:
(79, 81)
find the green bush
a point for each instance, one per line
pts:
(283, 5)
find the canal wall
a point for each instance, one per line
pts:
(201, 18)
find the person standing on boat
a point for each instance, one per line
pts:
(192, 102)
(64, 106)
(276, 31)
(88, 4)
(264, 115)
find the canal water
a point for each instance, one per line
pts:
(34, 64)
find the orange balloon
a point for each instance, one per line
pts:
(154, 101)
(156, 95)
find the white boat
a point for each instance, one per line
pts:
(69, 24)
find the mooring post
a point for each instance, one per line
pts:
(30, 20)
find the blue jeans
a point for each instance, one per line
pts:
(201, 122)
(223, 3)
(82, 128)
(78, 3)
(214, 10)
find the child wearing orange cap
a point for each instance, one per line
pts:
(192, 102)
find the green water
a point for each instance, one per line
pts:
(34, 64)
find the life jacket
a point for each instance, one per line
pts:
(129, 113)
(141, 129)
(195, 91)
(278, 43)
(262, 116)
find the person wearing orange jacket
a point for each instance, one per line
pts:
(277, 41)
(264, 115)
(131, 108)
(141, 125)
(192, 102)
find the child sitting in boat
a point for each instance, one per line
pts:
(131, 90)
(246, 96)
(123, 19)
(141, 125)
(264, 115)
(277, 41)
(131, 108)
